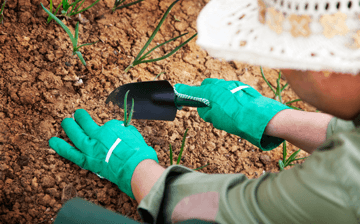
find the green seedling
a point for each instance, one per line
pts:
(2, 12)
(181, 151)
(159, 75)
(74, 39)
(178, 20)
(66, 11)
(288, 162)
(127, 119)
(118, 5)
(285, 162)
(140, 58)
(51, 10)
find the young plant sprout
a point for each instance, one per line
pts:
(285, 162)
(181, 151)
(74, 39)
(127, 119)
(2, 12)
(140, 58)
(118, 5)
(176, 19)
(159, 75)
(75, 6)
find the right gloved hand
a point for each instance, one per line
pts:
(236, 108)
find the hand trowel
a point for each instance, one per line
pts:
(153, 100)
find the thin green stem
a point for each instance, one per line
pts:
(262, 73)
(182, 147)
(171, 155)
(158, 75)
(2, 12)
(284, 151)
(173, 39)
(77, 12)
(278, 88)
(155, 31)
(284, 87)
(199, 168)
(293, 101)
(167, 55)
(125, 108)
(127, 69)
(127, 5)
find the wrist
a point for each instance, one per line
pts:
(306, 130)
(145, 175)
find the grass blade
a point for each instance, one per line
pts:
(2, 12)
(293, 101)
(78, 53)
(76, 36)
(131, 112)
(171, 155)
(278, 88)
(173, 39)
(284, 151)
(125, 108)
(155, 31)
(83, 45)
(182, 147)
(74, 8)
(159, 75)
(116, 4)
(292, 157)
(85, 8)
(167, 55)
(300, 158)
(284, 87)
(199, 168)
(127, 5)
(267, 82)
(60, 23)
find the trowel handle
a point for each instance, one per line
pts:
(188, 103)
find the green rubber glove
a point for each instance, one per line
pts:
(111, 151)
(236, 108)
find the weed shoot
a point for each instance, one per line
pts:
(66, 11)
(127, 119)
(181, 151)
(118, 5)
(74, 39)
(140, 58)
(2, 12)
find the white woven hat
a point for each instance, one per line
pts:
(292, 34)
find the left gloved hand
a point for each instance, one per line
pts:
(112, 151)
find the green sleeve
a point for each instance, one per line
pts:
(337, 125)
(324, 189)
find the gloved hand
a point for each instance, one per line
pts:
(111, 151)
(236, 108)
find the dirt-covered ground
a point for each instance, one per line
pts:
(41, 83)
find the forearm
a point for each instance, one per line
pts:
(306, 130)
(145, 176)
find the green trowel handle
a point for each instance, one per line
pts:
(188, 103)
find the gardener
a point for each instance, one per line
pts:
(316, 44)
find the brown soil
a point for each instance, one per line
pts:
(39, 83)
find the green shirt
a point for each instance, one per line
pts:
(324, 189)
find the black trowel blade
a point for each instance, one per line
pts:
(145, 107)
